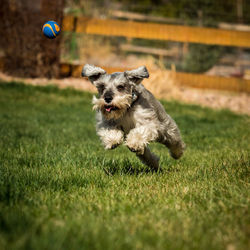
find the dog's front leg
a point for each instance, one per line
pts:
(110, 137)
(138, 138)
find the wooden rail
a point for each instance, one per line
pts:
(200, 81)
(155, 31)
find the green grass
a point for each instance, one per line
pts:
(59, 189)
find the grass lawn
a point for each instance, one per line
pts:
(59, 189)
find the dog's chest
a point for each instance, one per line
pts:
(137, 116)
(127, 122)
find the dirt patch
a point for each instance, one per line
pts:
(162, 86)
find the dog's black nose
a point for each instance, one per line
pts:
(108, 96)
(108, 99)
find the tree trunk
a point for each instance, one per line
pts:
(28, 53)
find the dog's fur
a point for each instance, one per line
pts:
(129, 113)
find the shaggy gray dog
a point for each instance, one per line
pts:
(127, 112)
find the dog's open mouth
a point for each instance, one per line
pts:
(110, 108)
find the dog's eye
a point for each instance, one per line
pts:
(120, 87)
(101, 87)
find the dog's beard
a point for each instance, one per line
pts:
(116, 109)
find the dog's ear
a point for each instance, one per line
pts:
(92, 72)
(137, 75)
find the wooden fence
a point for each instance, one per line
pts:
(178, 33)
(164, 32)
(200, 81)
(212, 82)
(155, 31)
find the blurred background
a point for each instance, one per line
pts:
(196, 51)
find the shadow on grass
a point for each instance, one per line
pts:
(127, 170)
(126, 167)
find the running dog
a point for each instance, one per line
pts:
(128, 113)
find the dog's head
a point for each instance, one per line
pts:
(116, 91)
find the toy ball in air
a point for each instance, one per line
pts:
(51, 29)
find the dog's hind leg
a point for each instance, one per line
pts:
(171, 138)
(177, 149)
(175, 144)
(149, 159)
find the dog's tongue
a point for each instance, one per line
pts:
(108, 109)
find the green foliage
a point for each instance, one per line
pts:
(59, 189)
(213, 11)
(200, 57)
(70, 48)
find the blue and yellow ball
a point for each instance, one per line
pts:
(51, 29)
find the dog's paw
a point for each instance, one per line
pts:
(136, 144)
(111, 138)
(136, 149)
(112, 143)
(111, 146)
(176, 151)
